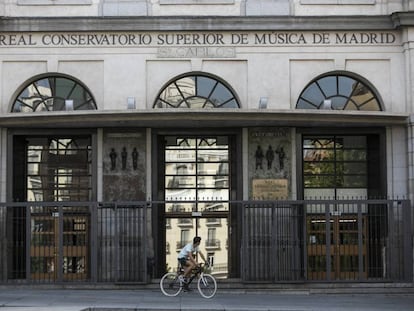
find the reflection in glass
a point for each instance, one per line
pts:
(59, 169)
(196, 169)
(50, 93)
(214, 241)
(344, 92)
(196, 91)
(335, 162)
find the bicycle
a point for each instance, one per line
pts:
(172, 283)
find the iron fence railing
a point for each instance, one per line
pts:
(281, 241)
(327, 240)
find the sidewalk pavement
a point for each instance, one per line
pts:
(34, 299)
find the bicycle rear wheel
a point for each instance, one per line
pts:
(170, 284)
(207, 285)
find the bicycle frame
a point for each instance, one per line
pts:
(172, 284)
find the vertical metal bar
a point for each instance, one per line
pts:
(360, 244)
(59, 266)
(273, 240)
(408, 241)
(28, 240)
(243, 251)
(305, 240)
(391, 258)
(93, 208)
(328, 241)
(144, 246)
(116, 242)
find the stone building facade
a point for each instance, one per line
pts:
(129, 126)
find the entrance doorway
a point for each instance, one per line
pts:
(337, 251)
(197, 179)
(59, 241)
(50, 242)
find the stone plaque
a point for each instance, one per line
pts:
(270, 189)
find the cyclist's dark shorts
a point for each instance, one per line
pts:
(182, 261)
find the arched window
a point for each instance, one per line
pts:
(338, 92)
(196, 91)
(54, 93)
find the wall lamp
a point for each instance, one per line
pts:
(327, 104)
(263, 102)
(68, 104)
(130, 102)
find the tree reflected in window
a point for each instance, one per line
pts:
(51, 93)
(196, 91)
(338, 92)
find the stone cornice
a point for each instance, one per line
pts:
(211, 23)
(403, 19)
(202, 118)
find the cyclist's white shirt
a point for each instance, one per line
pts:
(187, 249)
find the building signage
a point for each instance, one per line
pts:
(192, 40)
(270, 189)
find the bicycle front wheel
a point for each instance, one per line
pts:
(170, 284)
(207, 285)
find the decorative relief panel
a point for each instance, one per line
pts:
(270, 163)
(124, 167)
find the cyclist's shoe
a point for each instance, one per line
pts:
(186, 288)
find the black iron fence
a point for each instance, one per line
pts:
(281, 241)
(327, 240)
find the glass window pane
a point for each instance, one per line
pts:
(213, 194)
(313, 94)
(213, 206)
(328, 86)
(354, 168)
(41, 88)
(362, 99)
(302, 104)
(186, 86)
(50, 93)
(180, 194)
(212, 168)
(338, 103)
(354, 141)
(180, 168)
(205, 86)
(64, 87)
(359, 181)
(179, 207)
(318, 155)
(194, 102)
(196, 92)
(346, 85)
(230, 104)
(372, 105)
(319, 168)
(171, 95)
(345, 93)
(180, 181)
(220, 94)
(319, 181)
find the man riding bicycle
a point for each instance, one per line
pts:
(186, 256)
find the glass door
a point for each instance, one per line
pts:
(340, 242)
(59, 242)
(197, 194)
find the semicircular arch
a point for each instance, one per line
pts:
(196, 90)
(53, 92)
(340, 90)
